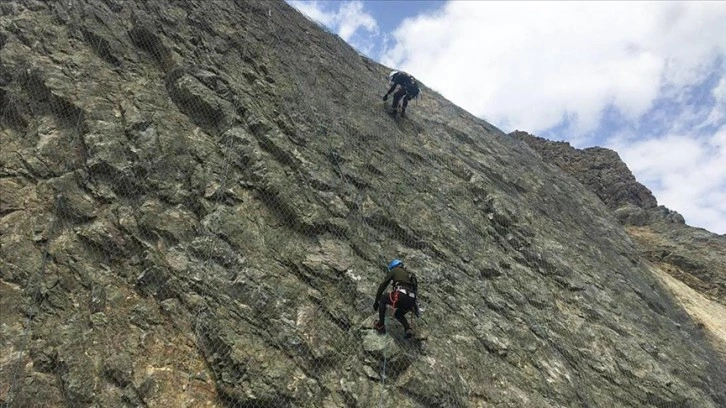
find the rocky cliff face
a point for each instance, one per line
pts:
(197, 199)
(693, 255)
(600, 170)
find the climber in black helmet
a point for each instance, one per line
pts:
(402, 298)
(408, 89)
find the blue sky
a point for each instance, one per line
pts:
(647, 79)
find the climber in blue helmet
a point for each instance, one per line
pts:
(402, 298)
(408, 89)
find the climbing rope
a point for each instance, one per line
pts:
(346, 181)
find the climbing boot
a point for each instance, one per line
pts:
(380, 327)
(409, 334)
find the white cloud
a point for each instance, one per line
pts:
(718, 112)
(684, 173)
(526, 64)
(315, 11)
(351, 17)
(349, 21)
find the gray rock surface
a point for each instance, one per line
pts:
(693, 255)
(599, 169)
(197, 199)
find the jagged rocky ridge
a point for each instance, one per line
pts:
(693, 255)
(196, 199)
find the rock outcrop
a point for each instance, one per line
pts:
(197, 198)
(693, 255)
(599, 169)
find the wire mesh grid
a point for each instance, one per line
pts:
(186, 224)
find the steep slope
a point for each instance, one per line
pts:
(600, 170)
(693, 255)
(707, 312)
(198, 197)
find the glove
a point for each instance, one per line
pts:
(385, 97)
(375, 306)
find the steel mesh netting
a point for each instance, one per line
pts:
(165, 243)
(134, 274)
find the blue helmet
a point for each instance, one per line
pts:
(394, 264)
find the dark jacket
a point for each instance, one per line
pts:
(407, 82)
(412, 90)
(402, 278)
(402, 78)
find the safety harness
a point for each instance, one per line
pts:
(398, 289)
